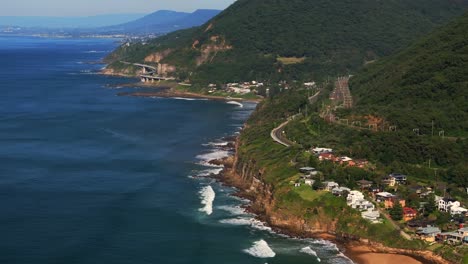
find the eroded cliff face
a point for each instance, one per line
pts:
(210, 49)
(248, 177)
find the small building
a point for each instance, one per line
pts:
(390, 203)
(409, 214)
(371, 215)
(428, 233)
(399, 178)
(326, 156)
(444, 204)
(389, 180)
(318, 150)
(329, 185)
(383, 196)
(307, 169)
(339, 191)
(309, 182)
(363, 184)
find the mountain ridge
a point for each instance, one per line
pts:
(252, 39)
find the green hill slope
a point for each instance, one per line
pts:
(426, 82)
(295, 39)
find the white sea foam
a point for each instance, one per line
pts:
(327, 245)
(341, 255)
(216, 144)
(190, 99)
(95, 51)
(247, 221)
(233, 210)
(235, 103)
(260, 249)
(207, 196)
(216, 154)
(309, 251)
(209, 172)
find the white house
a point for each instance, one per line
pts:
(309, 182)
(353, 197)
(371, 215)
(455, 210)
(445, 204)
(322, 150)
(329, 185)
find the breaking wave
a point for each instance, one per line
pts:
(309, 251)
(190, 99)
(252, 222)
(235, 103)
(260, 249)
(207, 196)
(217, 154)
(233, 210)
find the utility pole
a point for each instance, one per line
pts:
(433, 128)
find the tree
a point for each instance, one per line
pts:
(430, 206)
(396, 212)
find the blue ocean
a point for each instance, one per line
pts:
(87, 176)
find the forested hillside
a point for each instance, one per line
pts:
(424, 83)
(293, 39)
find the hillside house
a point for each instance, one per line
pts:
(329, 185)
(399, 178)
(326, 156)
(409, 214)
(390, 202)
(309, 182)
(382, 196)
(363, 184)
(428, 233)
(456, 237)
(371, 215)
(318, 150)
(450, 206)
(339, 191)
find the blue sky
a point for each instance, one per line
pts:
(96, 7)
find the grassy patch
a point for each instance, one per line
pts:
(291, 60)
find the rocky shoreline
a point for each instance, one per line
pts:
(361, 251)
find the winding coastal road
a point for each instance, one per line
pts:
(277, 134)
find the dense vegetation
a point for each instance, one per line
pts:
(426, 82)
(280, 167)
(329, 37)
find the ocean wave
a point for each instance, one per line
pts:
(235, 103)
(244, 221)
(189, 99)
(260, 249)
(94, 51)
(233, 210)
(207, 196)
(216, 154)
(216, 144)
(209, 172)
(309, 251)
(326, 244)
(343, 256)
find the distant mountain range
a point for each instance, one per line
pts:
(164, 21)
(67, 22)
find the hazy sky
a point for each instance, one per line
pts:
(95, 7)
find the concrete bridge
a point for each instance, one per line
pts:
(145, 78)
(149, 73)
